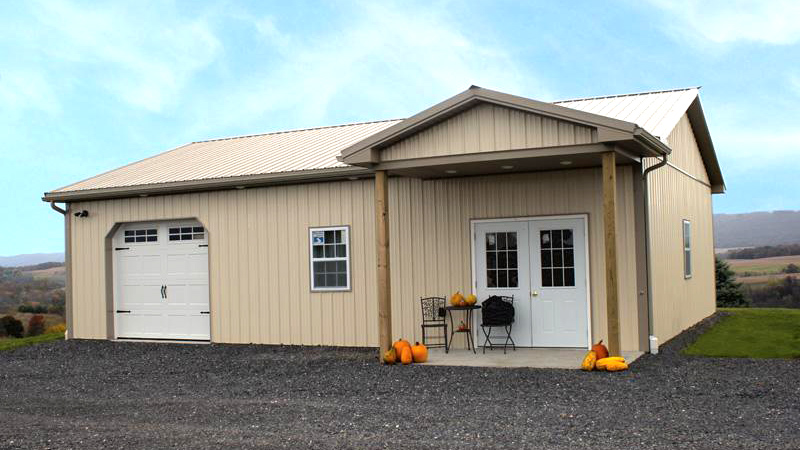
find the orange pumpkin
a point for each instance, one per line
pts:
(389, 357)
(457, 299)
(419, 353)
(398, 346)
(405, 356)
(600, 350)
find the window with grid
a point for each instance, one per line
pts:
(687, 249)
(501, 260)
(143, 235)
(330, 258)
(187, 233)
(558, 258)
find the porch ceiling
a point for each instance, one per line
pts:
(509, 161)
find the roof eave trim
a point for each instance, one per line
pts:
(213, 184)
(703, 136)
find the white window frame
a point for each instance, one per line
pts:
(686, 233)
(346, 241)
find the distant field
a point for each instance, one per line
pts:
(764, 266)
(53, 272)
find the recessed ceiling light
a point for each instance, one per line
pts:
(142, 195)
(451, 171)
(239, 187)
(352, 178)
(506, 167)
(566, 163)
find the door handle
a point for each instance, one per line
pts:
(534, 293)
(165, 291)
(163, 294)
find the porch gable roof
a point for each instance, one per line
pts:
(608, 130)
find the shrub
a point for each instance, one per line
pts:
(11, 326)
(729, 292)
(34, 309)
(791, 268)
(60, 328)
(36, 325)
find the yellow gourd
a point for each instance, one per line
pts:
(405, 356)
(471, 299)
(602, 363)
(589, 361)
(389, 357)
(616, 366)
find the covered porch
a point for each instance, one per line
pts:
(465, 138)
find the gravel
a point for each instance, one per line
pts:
(99, 394)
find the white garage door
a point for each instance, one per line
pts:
(161, 281)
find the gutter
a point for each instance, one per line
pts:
(648, 262)
(68, 267)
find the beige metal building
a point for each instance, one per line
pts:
(595, 214)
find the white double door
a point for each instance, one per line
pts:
(161, 281)
(542, 264)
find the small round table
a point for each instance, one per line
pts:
(468, 323)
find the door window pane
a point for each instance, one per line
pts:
(501, 256)
(558, 258)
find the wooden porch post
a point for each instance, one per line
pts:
(384, 281)
(610, 239)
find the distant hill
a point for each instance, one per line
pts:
(30, 259)
(756, 229)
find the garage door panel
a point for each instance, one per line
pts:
(141, 269)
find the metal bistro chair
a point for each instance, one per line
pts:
(433, 316)
(498, 312)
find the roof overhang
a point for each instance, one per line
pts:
(707, 152)
(214, 184)
(610, 131)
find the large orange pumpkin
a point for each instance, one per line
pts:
(399, 345)
(600, 350)
(405, 356)
(457, 299)
(419, 353)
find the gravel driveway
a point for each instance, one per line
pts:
(103, 395)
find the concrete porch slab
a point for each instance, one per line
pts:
(537, 358)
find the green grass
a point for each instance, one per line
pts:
(12, 343)
(752, 333)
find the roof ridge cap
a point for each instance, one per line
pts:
(296, 130)
(578, 99)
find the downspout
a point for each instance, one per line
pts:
(648, 263)
(68, 267)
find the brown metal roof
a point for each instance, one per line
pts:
(270, 153)
(313, 150)
(657, 112)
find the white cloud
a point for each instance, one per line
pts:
(725, 21)
(747, 148)
(385, 60)
(22, 89)
(141, 55)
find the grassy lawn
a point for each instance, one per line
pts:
(12, 343)
(752, 333)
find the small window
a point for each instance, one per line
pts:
(687, 249)
(330, 258)
(143, 235)
(501, 260)
(187, 233)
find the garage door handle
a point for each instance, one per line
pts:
(205, 312)
(120, 311)
(203, 245)
(163, 294)
(165, 291)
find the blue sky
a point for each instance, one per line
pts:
(89, 86)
